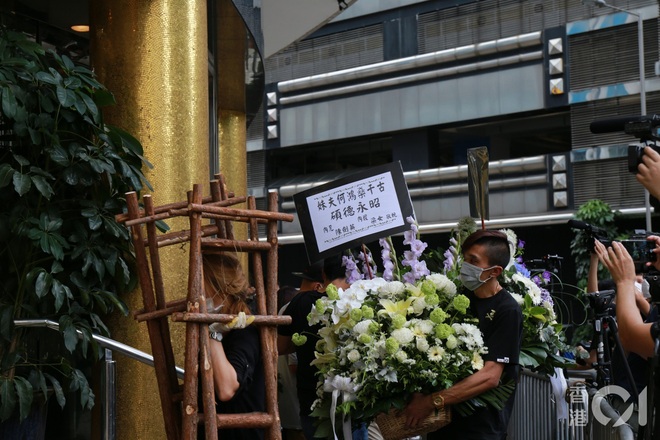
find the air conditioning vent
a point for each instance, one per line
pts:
(329, 53)
(609, 181)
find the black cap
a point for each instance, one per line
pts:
(313, 272)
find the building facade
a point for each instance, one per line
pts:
(421, 82)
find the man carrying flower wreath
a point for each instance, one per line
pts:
(485, 255)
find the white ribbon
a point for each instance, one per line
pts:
(346, 420)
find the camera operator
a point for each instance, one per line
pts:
(635, 334)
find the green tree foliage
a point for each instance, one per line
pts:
(599, 214)
(63, 176)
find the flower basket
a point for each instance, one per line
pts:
(392, 424)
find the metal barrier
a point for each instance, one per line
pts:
(109, 402)
(534, 411)
(535, 414)
(600, 431)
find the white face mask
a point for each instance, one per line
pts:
(471, 276)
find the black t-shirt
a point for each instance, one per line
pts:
(306, 377)
(500, 321)
(243, 350)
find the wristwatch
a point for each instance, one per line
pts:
(438, 400)
(216, 335)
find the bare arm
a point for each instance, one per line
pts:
(483, 380)
(224, 374)
(592, 276)
(285, 345)
(635, 334)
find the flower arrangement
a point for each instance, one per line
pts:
(411, 330)
(543, 339)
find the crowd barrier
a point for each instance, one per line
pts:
(537, 413)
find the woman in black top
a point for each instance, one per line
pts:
(236, 355)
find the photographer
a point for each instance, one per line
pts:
(635, 334)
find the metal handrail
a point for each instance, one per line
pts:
(103, 341)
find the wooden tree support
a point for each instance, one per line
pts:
(181, 402)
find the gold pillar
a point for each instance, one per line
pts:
(152, 54)
(231, 39)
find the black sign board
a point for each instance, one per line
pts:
(356, 209)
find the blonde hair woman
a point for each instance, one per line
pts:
(235, 352)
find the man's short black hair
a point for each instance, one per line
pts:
(495, 243)
(333, 268)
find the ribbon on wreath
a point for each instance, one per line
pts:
(344, 387)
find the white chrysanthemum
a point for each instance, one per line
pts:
(469, 334)
(401, 355)
(443, 284)
(392, 288)
(436, 353)
(451, 342)
(403, 335)
(477, 361)
(419, 305)
(353, 355)
(551, 310)
(362, 326)
(421, 327)
(422, 344)
(512, 238)
(519, 299)
(533, 290)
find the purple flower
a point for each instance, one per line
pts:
(521, 244)
(449, 258)
(545, 296)
(409, 237)
(418, 246)
(352, 272)
(522, 270)
(546, 276)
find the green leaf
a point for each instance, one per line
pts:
(61, 96)
(6, 173)
(22, 160)
(69, 332)
(527, 360)
(47, 78)
(25, 394)
(43, 187)
(59, 293)
(79, 104)
(57, 389)
(43, 283)
(59, 155)
(9, 103)
(22, 183)
(7, 398)
(72, 82)
(37, 378)
(91, 106)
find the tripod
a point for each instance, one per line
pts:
(605, 326)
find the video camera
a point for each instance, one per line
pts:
(595, 233)
(601, 302)
(645, 128)
(641, 250)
